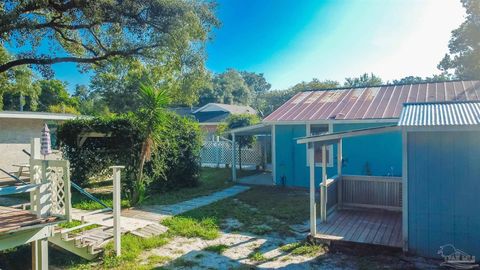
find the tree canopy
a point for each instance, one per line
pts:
(90, 32)
(464, 46)
(363, 80)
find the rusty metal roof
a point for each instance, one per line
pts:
(440, 114)
(381, 102)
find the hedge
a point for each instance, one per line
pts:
(174, 164)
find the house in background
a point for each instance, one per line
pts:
(16, 131)
(211, 115)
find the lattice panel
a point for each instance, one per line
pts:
(56, 176)
(221, 153)
(55, 197)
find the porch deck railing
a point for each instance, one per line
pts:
(382, 192)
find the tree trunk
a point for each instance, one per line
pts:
(136, 190)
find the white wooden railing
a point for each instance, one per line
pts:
(55, 173)
(371, 191)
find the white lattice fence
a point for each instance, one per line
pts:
(57, 173)
(220, 153)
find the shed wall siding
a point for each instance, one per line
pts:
(443, 190)
(382, 152)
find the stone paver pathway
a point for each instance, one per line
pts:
(160, 212)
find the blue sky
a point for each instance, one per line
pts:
(292, 41)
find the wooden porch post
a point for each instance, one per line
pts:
(313, 206)
(234, 165)
(323, 186)
(339, 173)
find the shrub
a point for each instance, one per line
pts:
(174, 164)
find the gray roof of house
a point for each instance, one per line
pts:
(440, 114)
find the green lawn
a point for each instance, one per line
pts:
(211, 180)
(260, 210)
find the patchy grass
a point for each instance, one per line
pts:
(211, 180)
(303, 249)
(132, 247)
(217, 248)
(81, 202)
(260, 210)
(156, 259)
(257, 256)
(188, 227)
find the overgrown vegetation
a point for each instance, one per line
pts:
(173, 164)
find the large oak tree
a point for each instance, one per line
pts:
(45, 32)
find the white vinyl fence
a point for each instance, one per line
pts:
(219, 154)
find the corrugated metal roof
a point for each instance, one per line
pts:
(382, 102)
(440, 114)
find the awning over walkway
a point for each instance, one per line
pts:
(252, 130)
(332, 138)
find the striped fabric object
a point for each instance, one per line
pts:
(46, 145)
(440, 114)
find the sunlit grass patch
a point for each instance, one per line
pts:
(217, 248)
(257, 256)
(303, 249)
(132, 246)
(189, 227)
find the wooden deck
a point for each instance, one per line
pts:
(363, 226)
(14, 219)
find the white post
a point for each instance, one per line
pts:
(34, 154)
(274, 156)
(339, 173)
(234, 162)
(313, 207)
(116, 209)
(323, 185)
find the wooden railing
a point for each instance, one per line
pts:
(371, 191)
(57, 174)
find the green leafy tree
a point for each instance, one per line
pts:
(228, 87)
(53, 94)
(151, 117)
(415, 79)
(464, 46)
(16, 87)
(91, 32)
(256, 82)
(363, 81)
(236, 121)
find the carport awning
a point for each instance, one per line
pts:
(252, 130)
(332, 138)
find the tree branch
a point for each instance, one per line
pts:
(48, 61)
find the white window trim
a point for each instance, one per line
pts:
(330, 147)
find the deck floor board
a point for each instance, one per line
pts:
(362, 226)
(11, 219)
